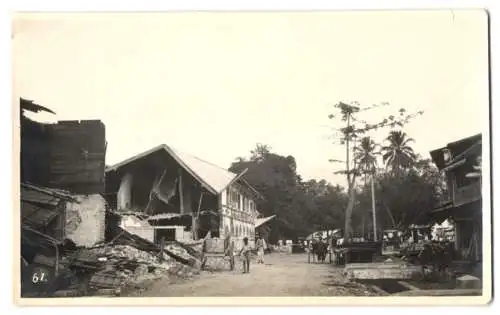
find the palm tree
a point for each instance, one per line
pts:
(365, 156)
(398, 154)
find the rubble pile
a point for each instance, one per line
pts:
(195, 248)
(116, 266)
(126, 262)
(180, 253)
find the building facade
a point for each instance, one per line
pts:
(460, 162)
(174, 190)
(239, 211)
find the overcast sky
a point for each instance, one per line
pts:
(215, 84)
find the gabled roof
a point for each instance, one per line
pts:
(458, 150)
(212, 177)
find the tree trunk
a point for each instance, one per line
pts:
(390, 215)
(374, 210)
(348, 214)
(350, 188)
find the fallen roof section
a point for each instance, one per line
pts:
(33, 107)
(57, 193)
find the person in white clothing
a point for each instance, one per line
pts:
(260, 245)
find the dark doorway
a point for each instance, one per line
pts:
(168, 234)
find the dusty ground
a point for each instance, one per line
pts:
(281, 275)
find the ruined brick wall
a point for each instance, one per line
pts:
(85, 221)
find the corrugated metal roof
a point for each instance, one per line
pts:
(39, 205)
(58, 193)
(36, 216)
(34, 196)
(217, 177)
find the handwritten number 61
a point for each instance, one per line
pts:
(39, 277)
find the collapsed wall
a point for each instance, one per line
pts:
(85, 220)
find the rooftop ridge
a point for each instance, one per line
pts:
(200, 159)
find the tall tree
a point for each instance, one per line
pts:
(398, 154)
(276, 178)
(354, 127)
(366, 156)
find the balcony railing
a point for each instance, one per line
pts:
(246, 216)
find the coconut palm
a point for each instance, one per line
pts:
(398, 154)
(365, 155)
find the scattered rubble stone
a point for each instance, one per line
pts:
(117, 266)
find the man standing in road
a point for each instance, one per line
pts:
(245, 255)
(229, 250)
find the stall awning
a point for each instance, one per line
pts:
(261, 221)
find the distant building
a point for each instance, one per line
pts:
(459, 160)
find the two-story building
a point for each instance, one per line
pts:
(181, 196)
(459, 161)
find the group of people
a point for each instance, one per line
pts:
(318, 249)
(246, 250)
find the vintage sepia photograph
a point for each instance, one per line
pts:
(184, 155)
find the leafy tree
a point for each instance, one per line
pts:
(276, 178)
(330, 201)
(406, 199)
(301, 207)
(260, 152)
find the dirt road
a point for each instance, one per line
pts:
(281, 275)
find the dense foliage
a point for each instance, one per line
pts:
(302, 207)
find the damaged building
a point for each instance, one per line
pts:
(459, 161)
(62, 177)
(175, 196)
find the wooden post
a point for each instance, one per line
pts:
(162, 248)
(195, 218)
(373, 210)
(181, 192)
